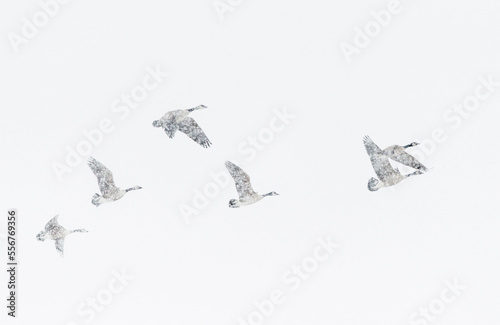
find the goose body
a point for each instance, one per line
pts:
(179, 120)
(388, 175)
(244, 188)
(54, 231)
(109, 191)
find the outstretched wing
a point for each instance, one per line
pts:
(193, 130)
(370, 146)
(380, 163)
(170, 128)
(241, 179)
(104, 177)
(52, 224)
(408, 160)
(60, 246)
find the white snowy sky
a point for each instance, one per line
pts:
(397, 247)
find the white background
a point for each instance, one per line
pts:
(397, 246)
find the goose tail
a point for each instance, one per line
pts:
(95, 199)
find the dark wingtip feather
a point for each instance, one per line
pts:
(207, 144)
(91, 160)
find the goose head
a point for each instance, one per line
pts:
(233, 203)
(373, 184)
(137, 187)
(413, 144)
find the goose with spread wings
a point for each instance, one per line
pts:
(179, 120)
(388, 175)
(246, 194)
(109, 191)
(54, 231)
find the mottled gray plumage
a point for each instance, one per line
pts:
(104, 177)
(241, 180)
(109, 191)
(387, 174)
(398, 153)
(243, 186)
(179, 120)
(56, 232)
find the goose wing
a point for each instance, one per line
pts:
(380, 162)
(406, 159)
(370, 146)
(60, 246)
(104, 177)
(170, 128)
(193, 130)
(53, 223)
(241, 180)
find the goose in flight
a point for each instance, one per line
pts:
(246, 194)
(389, 176)
(179, 120)
(110, 192)
(56, 232)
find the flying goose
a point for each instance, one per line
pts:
(246, 194)
(106, 183)
(179, 120)
(388, 175)
(56, 232)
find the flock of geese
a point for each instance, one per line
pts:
(170, 122)
(179, 120)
